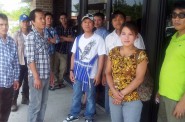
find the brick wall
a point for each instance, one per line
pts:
(45, 5)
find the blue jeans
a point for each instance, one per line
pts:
(76, 101)
(107, 108)
(38, 101)
(126, 111)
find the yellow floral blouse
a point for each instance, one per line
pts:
(124, 70)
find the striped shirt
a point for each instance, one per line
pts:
(51, 33)
(9, 63)
(37, 52)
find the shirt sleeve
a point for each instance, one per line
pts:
(73, 50)
(57, 37)
(106, 45)
(142, 56)
(101, 46)
(16, 66)
(30, 48)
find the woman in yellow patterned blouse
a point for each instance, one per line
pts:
(126, 67)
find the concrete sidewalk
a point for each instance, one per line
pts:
(59, 103)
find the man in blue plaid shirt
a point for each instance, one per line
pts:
(52, 37)
(38, 66)
(9, 69)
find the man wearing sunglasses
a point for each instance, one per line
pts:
(172, 75)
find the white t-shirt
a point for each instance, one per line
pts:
(96, 45)
(113, 40)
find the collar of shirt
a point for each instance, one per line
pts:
(7, 39)
(38, 34)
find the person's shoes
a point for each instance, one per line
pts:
(25, 101)
(71, 118)
(83, 106)
(88, 120)
(62, 85)
(52, 88)
(14, 107)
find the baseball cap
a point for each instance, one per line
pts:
(23, 17)
(87, 16)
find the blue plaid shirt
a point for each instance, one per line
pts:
(37, 52)
(102, 32)
(9, 63)
(51, 33)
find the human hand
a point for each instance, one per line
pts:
(97, 80)
(157, 98)
(179, 111)
(72, 77)
(52, 78)
(118, 95)
(52, 40)
(116, 101)
(103, 81)
(16, 85)
(37, 83)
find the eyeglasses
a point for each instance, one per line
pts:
(180, 15)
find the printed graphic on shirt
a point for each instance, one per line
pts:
(87, 50)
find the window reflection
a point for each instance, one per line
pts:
(132, 8)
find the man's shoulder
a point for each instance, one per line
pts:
(11, 40)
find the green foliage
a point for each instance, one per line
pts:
(135, 11)
(77, 6)
(14, 15)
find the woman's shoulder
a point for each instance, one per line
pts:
(141, 55)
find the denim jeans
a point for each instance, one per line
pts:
(126, 111)
(107, 108)
(38, 101)
(76, 100)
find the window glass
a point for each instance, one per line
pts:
(132, 8)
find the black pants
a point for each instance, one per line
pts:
(22, 77)
(5, 103)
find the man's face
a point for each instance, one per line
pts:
(178, 19)
(39, 22)
(49, 20)
(24, 24)
(63, 19)
(98, 22)
(117, 22)
(3, 27)
(87, 25)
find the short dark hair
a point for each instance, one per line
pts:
(63, 14)
(49, 14)
(100, 15)
(3, 16)
(32, 13)
(116, 13)
(132, 26)
(179, 5)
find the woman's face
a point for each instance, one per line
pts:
(127, 36)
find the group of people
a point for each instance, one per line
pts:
(117, 60)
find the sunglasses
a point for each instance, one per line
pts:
(180, 15)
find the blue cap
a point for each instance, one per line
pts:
(23, 17)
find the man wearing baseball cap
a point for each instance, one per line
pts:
(86, 68)
(19, 38)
